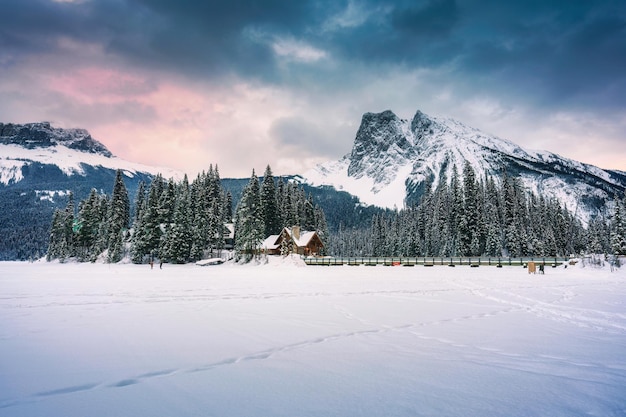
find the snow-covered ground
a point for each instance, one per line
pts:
(288, 340)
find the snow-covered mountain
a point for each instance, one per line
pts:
(392, 159)
(39, 166)
(72, 151)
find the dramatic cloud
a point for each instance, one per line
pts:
(245, 83)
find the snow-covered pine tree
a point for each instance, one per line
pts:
(321, 226)
(177, 241)
(140, 202)
(61, 242)
(456, 210)
(56, 237)
(269, 204)
(147, 233)
(216, 211)
(469, 230)
(227, 207)
(290, 205)
(200, 223)
(119, 217)
(167, 202)
(618, 226)
(249, 226)
(493, 225)
(598, 236)
(87, 230)
(308, 218)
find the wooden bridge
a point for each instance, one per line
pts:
(434, 261)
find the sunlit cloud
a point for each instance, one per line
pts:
(298, 51)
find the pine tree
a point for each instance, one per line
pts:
(119, 217)
(321, 226)
(148, 232)
(61, 244)
(140, 202)
(249, 226)
(177, 242)
(269, 204)
(618, 232)
(167, 203)
(56, 237)
(200, 223)
(227, 211)
(88, 227)
(469, 230)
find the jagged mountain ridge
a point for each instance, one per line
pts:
(43, 135)
(72, 151)
(392, 159)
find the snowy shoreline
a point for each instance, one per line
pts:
(282, 339)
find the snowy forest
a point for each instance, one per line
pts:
(179, 222)
(472, 216)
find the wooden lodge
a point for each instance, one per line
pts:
(292, 240)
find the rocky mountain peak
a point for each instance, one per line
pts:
(421, 125)
(380, 134)
(43, 135)
(393, 159)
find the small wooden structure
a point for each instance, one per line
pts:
(532, 268)
(291, 240)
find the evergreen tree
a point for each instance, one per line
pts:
(167, 202)
(57, 237)
(140, 202)
(147, 232)
(227, 215)
(321, 226)
(119, 217)
(269, 204)
(618, 232)
(177, 242)
(61, 242)
(249, 226)
(469, 230)
(88, 241)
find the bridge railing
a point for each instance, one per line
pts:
(434, 261)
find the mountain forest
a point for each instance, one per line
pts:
(179, 222)
(465, 216)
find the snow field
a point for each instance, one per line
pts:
(284, 339)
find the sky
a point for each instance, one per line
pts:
(245, 83)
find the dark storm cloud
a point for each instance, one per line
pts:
(435, 18)
(208, 37)
(552, 54)
(544, 52)
(33, 26)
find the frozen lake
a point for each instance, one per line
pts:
(289, 340)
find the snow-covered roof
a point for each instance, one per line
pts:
(231, 230)
(305, 238)
(270, 242)
(273, 241)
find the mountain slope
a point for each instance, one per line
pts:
(393, 159)
(39, 166)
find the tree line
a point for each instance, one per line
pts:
(466, 216)
(179, 222)
(471, 216)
